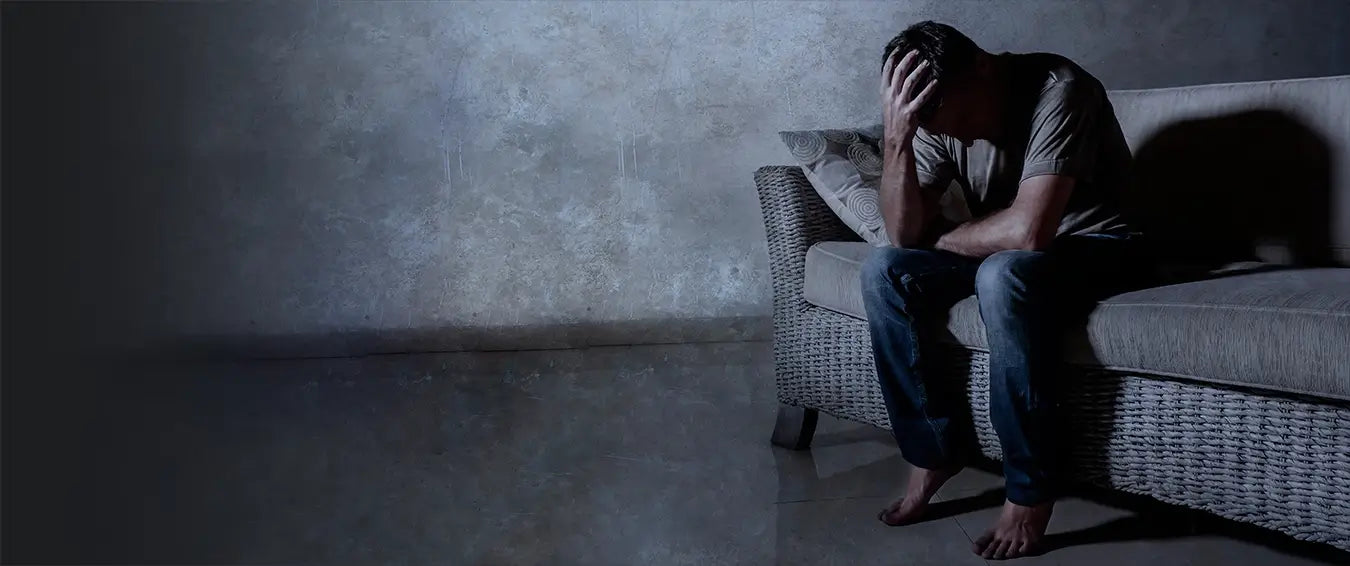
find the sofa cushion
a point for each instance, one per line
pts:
(1283, 330)
(1286, 330)
(844, 167)
(832, 282)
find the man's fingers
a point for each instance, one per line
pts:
(886, 74)
(886, 69)
(902, 70)
(907, 91)
(925, 94)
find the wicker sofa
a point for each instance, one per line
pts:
(1225, 387)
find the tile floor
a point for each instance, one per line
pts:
(615, 455)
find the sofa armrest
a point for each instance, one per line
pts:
(795, 218)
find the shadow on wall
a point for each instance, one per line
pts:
(1250, 186)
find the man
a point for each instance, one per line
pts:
(1036, 149)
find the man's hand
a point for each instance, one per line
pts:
(935, 230)
(900, 104)
(904, 210)
(1029, 224)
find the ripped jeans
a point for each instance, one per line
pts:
(1026, 299)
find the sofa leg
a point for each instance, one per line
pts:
(795, 427)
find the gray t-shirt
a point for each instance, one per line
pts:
(1059, 122)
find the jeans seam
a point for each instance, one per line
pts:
(911, 281)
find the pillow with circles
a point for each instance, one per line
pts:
(844, 166)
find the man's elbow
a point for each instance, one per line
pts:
(907, 243)
(902, 238)
(1034, 240)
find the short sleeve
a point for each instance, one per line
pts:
(933, 163)
(1065, 131)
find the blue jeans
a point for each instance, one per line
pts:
(1027, 298)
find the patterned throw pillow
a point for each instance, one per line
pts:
(844, 166)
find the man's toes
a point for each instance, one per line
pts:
(888, 515)
(901, 513)
(1004, 549)
(1014, 550)
(887, 510)
(1032, 548)
(991, 548)
(982, 543)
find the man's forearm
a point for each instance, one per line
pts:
(902, 207)
(1002, 230)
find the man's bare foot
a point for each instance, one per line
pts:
(923, 483)
(1017, 533)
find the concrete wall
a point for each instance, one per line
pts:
(360, 176)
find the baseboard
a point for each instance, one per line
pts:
(458, 339)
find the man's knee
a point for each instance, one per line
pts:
(878, 264)
(886, 265)
(1005, 272)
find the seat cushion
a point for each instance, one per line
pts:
(844, 167)
(832, 281)
(1284, 330)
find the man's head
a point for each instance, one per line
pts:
(965, 103)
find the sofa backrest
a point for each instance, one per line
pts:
(1258, 168)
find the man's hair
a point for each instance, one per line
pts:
(949, 54)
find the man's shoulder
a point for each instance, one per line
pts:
(1047, 71)
(926, 137)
